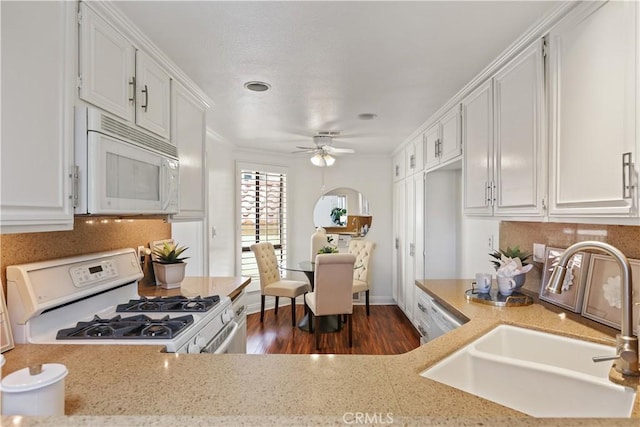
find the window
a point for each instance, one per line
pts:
(263, 214)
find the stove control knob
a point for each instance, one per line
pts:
(227, 316)
(193, 348)
(200, 341)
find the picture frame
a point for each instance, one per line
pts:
(6, 338)
(602, 296)
(572, 296)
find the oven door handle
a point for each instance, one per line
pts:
(222, 348)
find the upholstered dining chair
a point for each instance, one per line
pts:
(272, 284)
(332, 295)
(363, 250)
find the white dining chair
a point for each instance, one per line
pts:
(272, 284)
(363, 250)
(332, 295)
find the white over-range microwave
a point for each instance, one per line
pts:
(121, 170)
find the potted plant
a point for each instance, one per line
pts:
(168, 265)
(512, 262)
(336, 216)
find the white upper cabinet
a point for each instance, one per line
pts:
(518, 93)
(188, 134)
(592, 57)
(431, 143)
(502, 133)
(107, 66)
(38, 69)
(120, 79)
(153, 95)
(414, 153)
(442, 140)
(477, 136)
(399, 166)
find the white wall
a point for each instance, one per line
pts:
(369, 175)
(222, 196)
(475, 234)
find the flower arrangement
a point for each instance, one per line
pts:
(169, 254)
(502, 257)
(511, 263)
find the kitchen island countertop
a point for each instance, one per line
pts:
(204, 389)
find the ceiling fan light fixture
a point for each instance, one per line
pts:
(321, 160)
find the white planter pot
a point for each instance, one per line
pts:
(169, 276)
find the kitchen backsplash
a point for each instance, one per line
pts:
(88, 235)
(525, 234)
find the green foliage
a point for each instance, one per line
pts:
(336, 213)
(328, 250)
(514, 252)
(169, 254)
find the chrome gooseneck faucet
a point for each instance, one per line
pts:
(626, 343)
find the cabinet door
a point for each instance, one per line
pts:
(432, 139)
(418, 149)
(410, 158)
(399, 237)
(410, 247)
(518, 96)
(399, 169)
(593, 54)
(418, 237)
(451, 142)
(477, 134)
(38, 61)
(107, 61)
(188, 134)
(152, 95)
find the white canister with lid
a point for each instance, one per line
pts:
(37, 390)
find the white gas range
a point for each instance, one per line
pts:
(93, 299)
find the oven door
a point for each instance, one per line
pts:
(222, 342)
(123, 178)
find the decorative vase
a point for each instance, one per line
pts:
(169, 276)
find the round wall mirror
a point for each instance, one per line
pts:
(343, 211)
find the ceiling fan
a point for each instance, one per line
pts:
(323, 150)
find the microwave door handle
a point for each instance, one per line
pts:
(169, 183)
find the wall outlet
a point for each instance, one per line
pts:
(490, 242)
(538, 252)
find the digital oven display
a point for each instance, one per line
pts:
(96, 269)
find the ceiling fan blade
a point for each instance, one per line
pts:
(336, 150)
(308, 150)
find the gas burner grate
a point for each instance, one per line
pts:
(134, 327)
(170, 304)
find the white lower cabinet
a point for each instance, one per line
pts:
(38, 63)
(409, 259)
(593, 56)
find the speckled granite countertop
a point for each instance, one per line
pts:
(139, 385)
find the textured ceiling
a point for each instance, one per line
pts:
(327, 62)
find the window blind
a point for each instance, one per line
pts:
(263, 211)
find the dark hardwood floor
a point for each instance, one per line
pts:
(385, 331)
